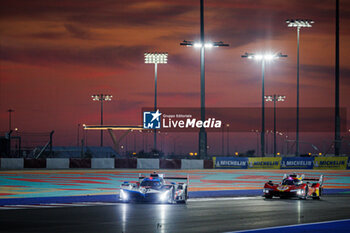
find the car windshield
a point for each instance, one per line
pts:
(290, 182)
(151, 183)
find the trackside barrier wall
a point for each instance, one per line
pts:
(331, 163)
(192, 164)
(148, 163)
(170, 163)
(208, 164)
(12, 163)
(79, 163)
(57, 163)
(125, 163)
(102, 163)
(34, 163)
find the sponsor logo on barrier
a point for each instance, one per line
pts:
(297, 163)
(231, 162)
(348, 163)
(272, 163)
(330, 163)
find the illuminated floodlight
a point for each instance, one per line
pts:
(265, 57)
(269, 57)
(156, 58)
(258, 57)
(268, 98)
(188, 43)
(281, 98)
(274, 98)
(101, 97)
(299, 23)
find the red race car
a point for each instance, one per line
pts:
(295, 186)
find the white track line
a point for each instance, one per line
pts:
(286, 226)
(222, 198)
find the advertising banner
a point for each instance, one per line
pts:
(330, 163)
(230, 162)
(297, 163)
(264, 163)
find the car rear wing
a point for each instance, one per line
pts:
(316, 179)
(178, 178)
(187, 178)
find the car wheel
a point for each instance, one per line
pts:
(183, 201)
(306, 193)
(171, 199)
(268, 196)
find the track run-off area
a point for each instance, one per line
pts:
(199, 215)
(220, 201)
(19, 184)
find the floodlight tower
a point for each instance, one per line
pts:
(274, 98)
(10, 111)
(298, 23)
(101, 98)
(155, 58)
(202, 150)
(263, 58)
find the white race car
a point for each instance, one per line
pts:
(156, 189)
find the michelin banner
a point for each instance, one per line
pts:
(297, 163)
(264, 163)
(230, 162)
(331, 163)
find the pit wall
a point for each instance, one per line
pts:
(107, 163)
(319, 163)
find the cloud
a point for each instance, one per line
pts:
(103, 13)
(105, 56)
(77, 32)
(319, 72)
(48, 35)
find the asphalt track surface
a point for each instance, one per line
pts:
(199, 215)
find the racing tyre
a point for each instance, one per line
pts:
(268, 196)
(172, 196)
(183, 201)
(306, 193)
(315, 197)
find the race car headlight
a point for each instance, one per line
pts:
(300, 191)
(123, 195)
(164, 196)
(266, 190)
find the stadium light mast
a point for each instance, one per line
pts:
(337, 138)
(155, 58)
(298, 23)
(202, 150)
(263, 58)
(101, 98)
(274, 98)
(10, 111)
